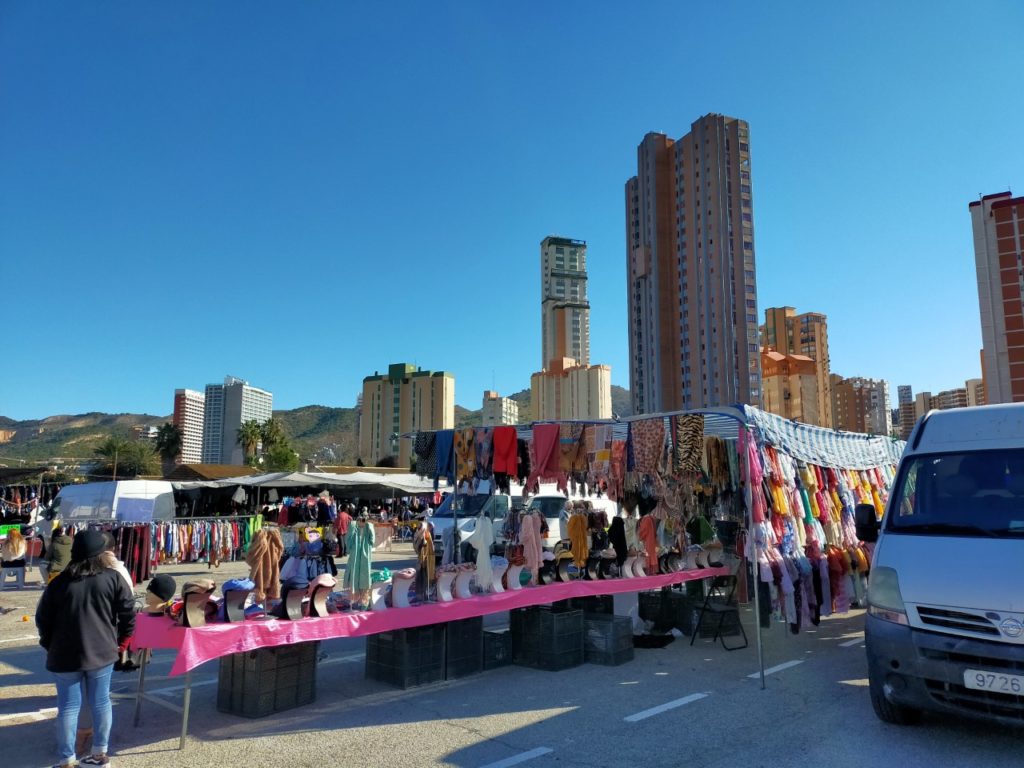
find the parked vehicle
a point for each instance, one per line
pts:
(121, 500)
(945, 623)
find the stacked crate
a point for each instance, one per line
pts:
(547, 639)
(268, 680)
(607, 640)
(464, 648)
(407, 657)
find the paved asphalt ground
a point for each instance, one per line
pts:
(679, 705)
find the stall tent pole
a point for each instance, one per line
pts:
(755, 562)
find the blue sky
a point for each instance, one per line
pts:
(300, 194)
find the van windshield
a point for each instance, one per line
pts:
(549, 506)
(468, 506)
(980, 493)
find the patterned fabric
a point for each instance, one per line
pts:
(599, 449)
(570, 447)
(484, 452)
(648, 442)
(824, 447)
(426, 457)
(465, 454)
(688, 432)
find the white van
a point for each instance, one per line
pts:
(945, 623)
(121, 500)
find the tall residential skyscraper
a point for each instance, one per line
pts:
(790, 386)
(189, 407)
(692, 290)
(788, 333)
(406, 399)
(228, 406)
(565, 311)
(498, 410)
(998, 222)
(908, 415)
(861, 405)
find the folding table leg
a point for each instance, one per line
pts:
(185, 708)
(144, 662)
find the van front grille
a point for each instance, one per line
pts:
(961, 621)
(971, 660)
(984, 702)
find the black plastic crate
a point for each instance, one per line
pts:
(407, 657)
(405, 677)
(608, 634)
(681, 610)
(609, 658)
(268, 680)
(730, 623)
(655, 607)
(464, 648)
(544, 620)
(497, 648)
(591, 604)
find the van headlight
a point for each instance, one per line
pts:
(884, 599)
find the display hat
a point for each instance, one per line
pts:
(88, 543)
(162, 586)
(199, 586)
(241, 585)
(323, 580)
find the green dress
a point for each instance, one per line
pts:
(359, 540)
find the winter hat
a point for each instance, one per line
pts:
(162, 586)
(239, 585)
(87, 544)
(199, 586)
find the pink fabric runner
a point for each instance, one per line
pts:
(197, 646)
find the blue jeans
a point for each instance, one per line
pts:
(69, 701)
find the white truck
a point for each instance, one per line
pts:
(945, 623)
(118, 500)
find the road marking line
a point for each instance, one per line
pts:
(777, 668)
(520, 758)
(855, 641)
(664, 707)
(23, 637)
(39, 714)
(342, 659)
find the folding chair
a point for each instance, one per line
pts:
(720, 601)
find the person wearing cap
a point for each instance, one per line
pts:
(82, 617)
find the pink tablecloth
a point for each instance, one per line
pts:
(197, 646)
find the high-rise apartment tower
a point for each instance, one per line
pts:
(692, 291)
(998, 222)
(189, 407)
(565, 311)
(788, 333)
(228, 406)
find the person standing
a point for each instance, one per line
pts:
(82, 618)
(59, 553)
(343, 522)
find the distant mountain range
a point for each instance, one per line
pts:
(327, 435)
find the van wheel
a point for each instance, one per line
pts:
(890, 712)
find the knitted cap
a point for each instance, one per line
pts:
(162, 586)
(88, 543)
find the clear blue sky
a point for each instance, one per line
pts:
(301, 193)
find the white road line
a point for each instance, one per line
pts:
(17, 639)
(39, 714)
(777, 668)
(855, 641)
(664, 707)
(342, 659)
(520, 758)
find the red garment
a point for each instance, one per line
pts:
(647, 532)
(546, 450)
(506, 456)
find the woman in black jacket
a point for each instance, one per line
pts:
(82, 617)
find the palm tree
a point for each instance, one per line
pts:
(249, 436)
(168, 445)
(272, 433)
(122, 458)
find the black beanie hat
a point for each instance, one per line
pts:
(162, 586)
(88, 543)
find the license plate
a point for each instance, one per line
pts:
(996, 682)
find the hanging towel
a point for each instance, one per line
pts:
(688, 434)
(426, 458)
(465, 454)
(504, 458)
(545, 450)
(484, 453)
(602, 441)
(444, 449)
(569, 446)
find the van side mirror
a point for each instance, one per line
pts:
(867, 523)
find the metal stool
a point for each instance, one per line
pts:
(17, 573)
